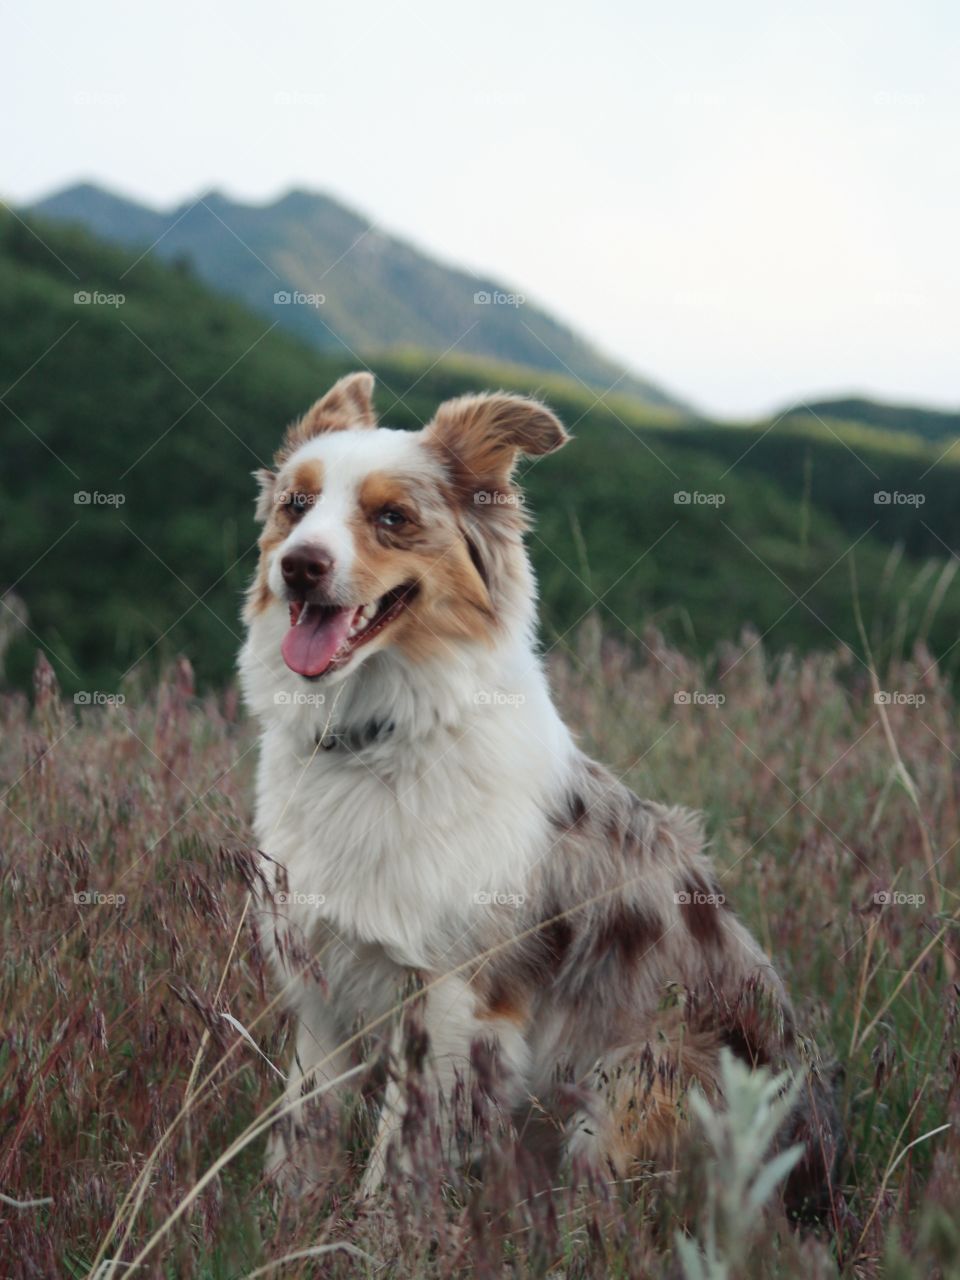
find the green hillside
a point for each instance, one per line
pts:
(159, 408)
(861, 476)
(344, 285)
(931, 424)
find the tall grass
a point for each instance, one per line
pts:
(141, 1037)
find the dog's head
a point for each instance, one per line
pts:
(375, 538)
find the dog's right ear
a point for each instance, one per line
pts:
(348, 403)
(480, 437)
(267, 487)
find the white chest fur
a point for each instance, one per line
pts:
(401, 842)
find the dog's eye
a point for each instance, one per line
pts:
(297, 503)
(391, 518)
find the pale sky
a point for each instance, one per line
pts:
(750, 203)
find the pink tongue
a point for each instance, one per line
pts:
(309, 645)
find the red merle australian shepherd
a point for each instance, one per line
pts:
(427, 818)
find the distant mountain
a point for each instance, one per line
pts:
(930, 424)
(379, 294)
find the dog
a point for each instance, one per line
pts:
(426, 816)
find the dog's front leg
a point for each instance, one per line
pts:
(296, 1157)
(453, 1022)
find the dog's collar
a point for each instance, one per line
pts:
(355, 739)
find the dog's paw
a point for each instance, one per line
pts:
(296, 1165)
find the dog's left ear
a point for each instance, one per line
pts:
(348, 403)
(267, 483)
(481, 437)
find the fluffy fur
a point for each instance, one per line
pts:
(426, 816)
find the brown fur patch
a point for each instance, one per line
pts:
(307, 478)
(259, 596)
(753, 1024)
(456, 607)
(380, 490)
(746, 1040)
(628, 934)
(348, 404)
(452, 602)
(504, 1004)
(702, 916)
(514, 976)
(644, 1089)
(478, 439)
(574, 815)
(645, 1119)
(558, 936)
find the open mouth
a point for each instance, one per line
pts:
(324, 637)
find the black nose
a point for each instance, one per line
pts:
(305, 568)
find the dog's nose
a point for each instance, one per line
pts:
(305, 568)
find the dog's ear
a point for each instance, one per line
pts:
(348, 403)
(267, 482)
(480, 437)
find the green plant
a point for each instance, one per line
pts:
(741, 1173)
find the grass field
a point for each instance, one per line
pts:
(125, 862)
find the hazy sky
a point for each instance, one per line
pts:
(751, 203)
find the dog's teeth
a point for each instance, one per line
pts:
(369, 612)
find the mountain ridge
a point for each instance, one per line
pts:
(929, 424)
(352, 288)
